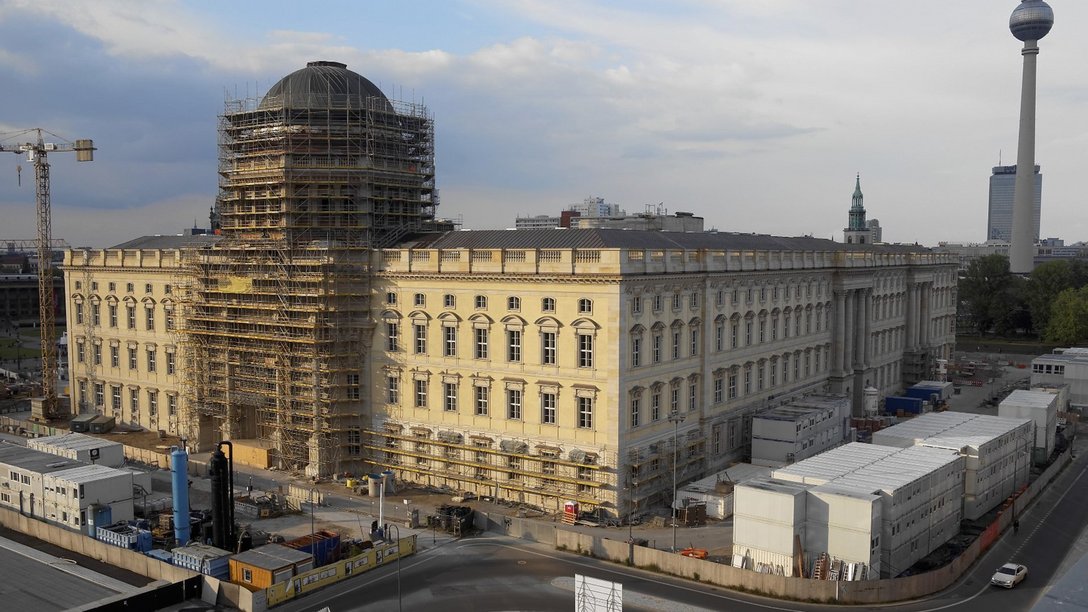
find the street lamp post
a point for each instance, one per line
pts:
(394, 526)
(313, 531)
(675, 418)
(631, 522)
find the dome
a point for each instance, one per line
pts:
(1031, 20)
(312, 86)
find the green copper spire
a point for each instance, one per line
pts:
(857, 208)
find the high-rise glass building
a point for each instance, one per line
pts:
(999, 218)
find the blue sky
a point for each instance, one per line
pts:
(755, 115)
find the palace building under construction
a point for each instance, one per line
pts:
(332, 325)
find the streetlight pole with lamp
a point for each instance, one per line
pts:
(675, 418)
(313, 531)
(633, 488)
(394, 526)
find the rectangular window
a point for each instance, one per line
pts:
(392, 390)
(392, 334)
(657, 348)
(548, 408)
(449, 301)
(481, 342)
(96, 315)
(450, 403)
(585, 351)
(130, 315)
(732, 386)
(636, 305)
(513, 404)
(785, 368)
(115, 357)
(134, 402)
(774, 328)
(693, 397)
(674, 400)
(449, 341)
(513, 345)
(762, 331)
(694, 303)
(734, 330)
(718, 390)
(132, 357)
(636, 351)
(150, 360)
(171, 363)
(168, 313)
(171, 404)
(79, 351)
(481, 400)
(420, 300)
(585, 412)
(747, 381)
(391, 298)
(719, 337)
(676, 301)
(97, 354)
(421, 393)
(694, 342)
(149, 323)
(548, 348)
(748, 333)
(657, 303)
(99, 395)
(113, 315)
(79, 313)
(655, 405)
(774, 373)
(420, 339)
(115, 399)
(153, 404)
(353, 392)
(636, 409)
(676, 345)
(759, 377)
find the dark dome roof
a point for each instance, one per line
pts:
(311, 87)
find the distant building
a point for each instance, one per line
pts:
(999, 219)
(597, 207)
(1065, 366)
(537, 222)
(876, 232)
(678, 222)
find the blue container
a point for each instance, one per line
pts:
(912, 405)
(923, 392)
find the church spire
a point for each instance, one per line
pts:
(856, 231)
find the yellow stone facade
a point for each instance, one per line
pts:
(124, 357)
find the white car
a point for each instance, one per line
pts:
(1009, 575)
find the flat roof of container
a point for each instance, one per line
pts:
(103, 419)
(201, 551)
(84, 418)
(272, 557)
(34, 460)
(820, 400)
(90, 473)
(1070, 355)
(75, 441)
(952, 429)
(1034, 399)
(789, 413)
(734, 474)
(776, 486)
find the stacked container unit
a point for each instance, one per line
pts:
(768, 517)
(266, 565)
(920, 490)
(894, 404)
(931, 391)
(995, 451)
(1042, 408)
(208, 560)
(804, 428)
(80, 447)
(324, 546)
(846, 524)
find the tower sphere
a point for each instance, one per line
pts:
(1031, 20)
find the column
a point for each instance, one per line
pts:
(908, 313)
(867, 327)
(848, 332)
(926, 319)
(838, 333)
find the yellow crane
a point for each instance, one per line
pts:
(37, 152)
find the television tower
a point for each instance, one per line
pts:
(1030, 22)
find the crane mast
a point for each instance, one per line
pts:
(37, 153)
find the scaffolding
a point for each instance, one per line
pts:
(276, 318)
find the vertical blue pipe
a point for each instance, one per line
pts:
(179, 472)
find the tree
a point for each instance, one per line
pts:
(1069, 318)
(1047, 281)
(985, 290)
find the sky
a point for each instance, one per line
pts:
(755, 115)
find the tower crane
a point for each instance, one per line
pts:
(37, 152)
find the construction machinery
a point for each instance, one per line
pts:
(37, 152)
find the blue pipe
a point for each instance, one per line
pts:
(179, 478)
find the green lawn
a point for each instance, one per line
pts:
(8, 350)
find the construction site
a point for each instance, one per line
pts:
(275, 315)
